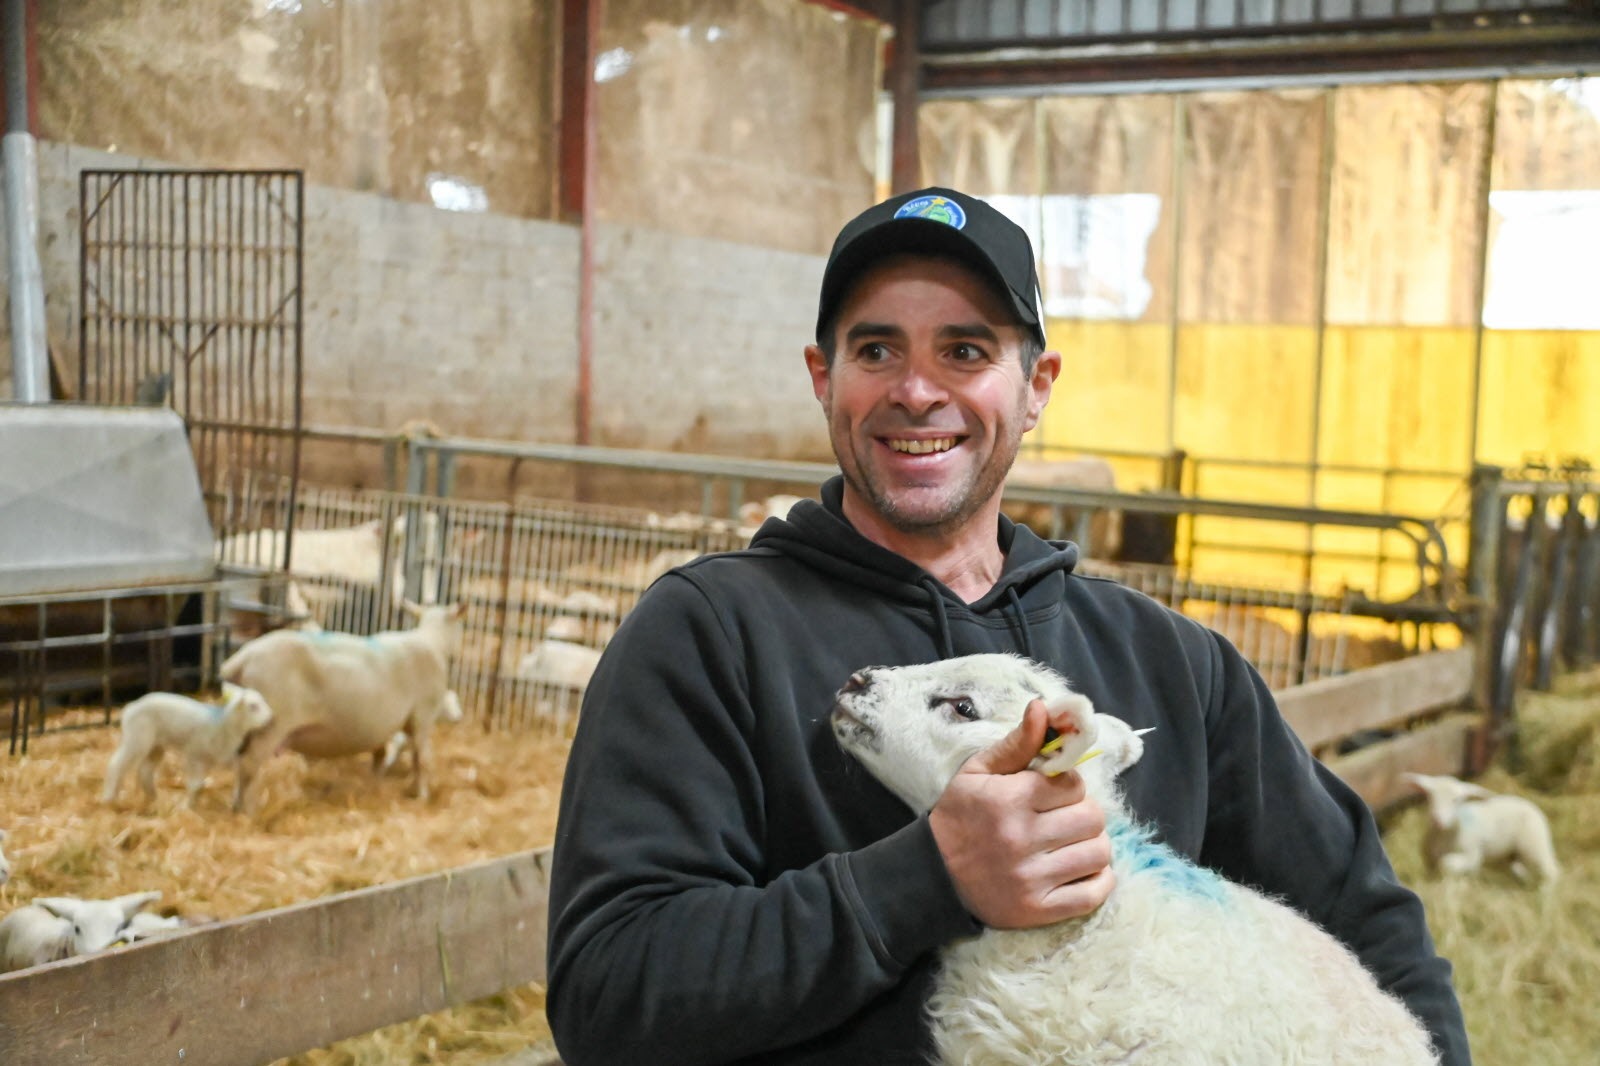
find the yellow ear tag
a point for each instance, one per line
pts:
(1055, 745)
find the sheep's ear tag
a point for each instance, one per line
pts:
(1052, 744)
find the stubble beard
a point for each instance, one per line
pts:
(961, 503)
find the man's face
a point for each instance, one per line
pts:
(926, 398)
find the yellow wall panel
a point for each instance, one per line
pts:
(1538, 395)
(1397, 397)
(1246, 391)
(1112, 389)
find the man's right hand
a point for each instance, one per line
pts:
(1023, 849)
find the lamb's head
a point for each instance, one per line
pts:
(1445, 795)
(245, 707)
(96, 923)
(913, 726)
(443, 622)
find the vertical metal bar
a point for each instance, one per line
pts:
(1175, 279)
(115, 383)
(1486, 174)
(1483, 535)
(150, 289)
(85, 221)
(297, 393)
(1320, 320)
(1557, 574)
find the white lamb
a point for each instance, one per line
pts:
(59, 927)
(334, 694)
(562, 663)
(207, 734)
(1470, 825)
(1179, 967)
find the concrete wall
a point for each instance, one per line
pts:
(470, 321)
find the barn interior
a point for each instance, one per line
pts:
(319, 306)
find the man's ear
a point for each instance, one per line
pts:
(1045, 372)
(817, 367)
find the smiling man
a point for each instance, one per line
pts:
(728, 886)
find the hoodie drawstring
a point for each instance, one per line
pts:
(1022, 620)
(941, 621)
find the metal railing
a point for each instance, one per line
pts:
(1535, 570)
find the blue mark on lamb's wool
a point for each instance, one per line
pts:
(1134, 849)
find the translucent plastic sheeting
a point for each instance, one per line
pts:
(449, 104)
(741, 120)
(1407, 202)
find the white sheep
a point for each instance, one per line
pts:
(1138, 980)
(335, 694)
(561, 663)
(351, 556)
(1091, 473)
(207, 734)
(59, 927)
(752, 514)
(147, 926)
(5, 864)
(1468, 825)
(449, 711)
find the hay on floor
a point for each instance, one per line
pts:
(1527, 959)
(323, 827)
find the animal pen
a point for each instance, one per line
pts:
(213, 332)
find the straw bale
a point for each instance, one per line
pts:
(325, 826)
(1559, 735)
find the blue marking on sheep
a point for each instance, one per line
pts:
(1134, 848)
(334, 636)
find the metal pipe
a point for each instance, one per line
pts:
(30, 357)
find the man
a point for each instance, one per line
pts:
(729, 887)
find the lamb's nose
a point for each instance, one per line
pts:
(857, 682)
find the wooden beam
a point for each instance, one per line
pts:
(262, 987)
(1377, 697)
(904, 78)
(1440, 748)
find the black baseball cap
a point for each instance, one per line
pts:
(943, 222)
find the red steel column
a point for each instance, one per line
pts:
(580, 27)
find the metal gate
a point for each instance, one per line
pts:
(190, 291)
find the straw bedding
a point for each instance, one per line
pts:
(1527, 961)
(324, 826)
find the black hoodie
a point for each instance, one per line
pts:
(729, 886)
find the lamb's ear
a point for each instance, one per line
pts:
(411, 608)
(1470, 791)
(134, 902)
(1120, 743)
(68, 907)
(231, 694)
(1063, 753)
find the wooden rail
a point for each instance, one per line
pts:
(1385, 697)
(259, 988)
(255, 989)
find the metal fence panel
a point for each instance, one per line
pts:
(190, 292)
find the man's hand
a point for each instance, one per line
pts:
(1023, 849)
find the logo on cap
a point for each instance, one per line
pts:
(934, 209)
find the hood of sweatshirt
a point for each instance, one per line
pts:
(819, 535)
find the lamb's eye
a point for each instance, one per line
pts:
(963, 707)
